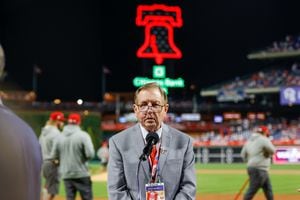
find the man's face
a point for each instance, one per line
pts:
(150, 109)
(60, 125)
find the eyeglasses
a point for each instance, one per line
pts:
(154, 107)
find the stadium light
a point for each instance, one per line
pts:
(80, 102)
(57, 101)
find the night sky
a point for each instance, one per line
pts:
(70, 41)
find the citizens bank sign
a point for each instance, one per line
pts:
(159, 22)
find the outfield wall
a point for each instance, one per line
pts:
(231, 154)
(218, 154)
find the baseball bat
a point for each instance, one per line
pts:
(241, 190)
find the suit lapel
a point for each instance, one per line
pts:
(139, 143)
(164, 148)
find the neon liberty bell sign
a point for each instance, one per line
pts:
(159, 22)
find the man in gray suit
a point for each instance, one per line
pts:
(172, 172)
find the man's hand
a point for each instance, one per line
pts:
(56, 162)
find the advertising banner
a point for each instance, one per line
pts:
(290, 95)
(287, 155)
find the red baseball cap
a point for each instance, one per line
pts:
(57, 116)
(264, 129)
(74, 118)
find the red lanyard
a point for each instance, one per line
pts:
(153, 159)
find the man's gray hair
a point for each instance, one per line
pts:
(149, 86)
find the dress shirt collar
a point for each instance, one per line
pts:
(145, 132)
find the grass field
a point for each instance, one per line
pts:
(223, 179)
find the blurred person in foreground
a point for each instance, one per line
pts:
(74, 149)
(21, 158)
(258, 151)
(171, 175)
(2, 62)
(49, 134)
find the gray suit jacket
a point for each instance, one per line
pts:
(20, 157)
(176, 165)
